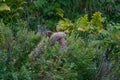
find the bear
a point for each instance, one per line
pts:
(59, 37)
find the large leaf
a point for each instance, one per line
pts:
(4, 6)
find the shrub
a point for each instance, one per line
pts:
(6, 38)
(82, 24)
(14, 52)
(77, 62)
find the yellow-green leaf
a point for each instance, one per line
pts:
(81, 29)
(4, 6)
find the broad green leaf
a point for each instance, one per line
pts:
(4, 6)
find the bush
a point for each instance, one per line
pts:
(92, 52)
(82, 24)
(6, 38)
(14, 52)
(75, 63)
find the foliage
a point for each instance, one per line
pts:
(96, 19)
(73, 63)
(65, 24)
(25, 42)
(50, 12)
(14, 9)
(74, 8)
(93, 49)
(111, 43)
(3, 6)
(14, 51)
(109, 8)
(80, 61)
(6, 38)
(83, 24)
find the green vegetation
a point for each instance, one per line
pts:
(93, 51)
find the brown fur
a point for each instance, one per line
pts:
(59, 37)
(37, 50)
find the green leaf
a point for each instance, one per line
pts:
(4, 6)
(60, 12)
(117, 26)
(2, 0)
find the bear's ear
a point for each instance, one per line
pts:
(66, 32)
(49, 33)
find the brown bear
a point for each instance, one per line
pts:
(59, 37)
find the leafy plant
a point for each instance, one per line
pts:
(96, 19)
(83, 24)
(14, 9)
(3, 6)
(6, 38)
(14, 53)
(65, 24)
(73, 63)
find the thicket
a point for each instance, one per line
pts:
(49, 12)
(93, 51)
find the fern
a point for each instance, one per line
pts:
(65, 24)
(96, 20)
(82, 23)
